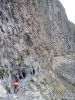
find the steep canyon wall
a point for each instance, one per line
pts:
(36, 33)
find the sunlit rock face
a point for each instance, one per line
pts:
(37, 33)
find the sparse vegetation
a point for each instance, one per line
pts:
(8, 89)
(27, 52)
(3, 72)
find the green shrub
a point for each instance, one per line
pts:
(4, 71)
(8, 89)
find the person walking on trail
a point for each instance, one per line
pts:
(16, 78)
(33, 70)
(23, 73)
(16, 85)
(20, 75)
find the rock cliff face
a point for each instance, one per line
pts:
(37, 33)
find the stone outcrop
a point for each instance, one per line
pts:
(37, 33)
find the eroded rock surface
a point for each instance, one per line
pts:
(37, 33)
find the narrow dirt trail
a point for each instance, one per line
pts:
(25, 93)
(23, 88)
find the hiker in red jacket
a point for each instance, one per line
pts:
(16, 85)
